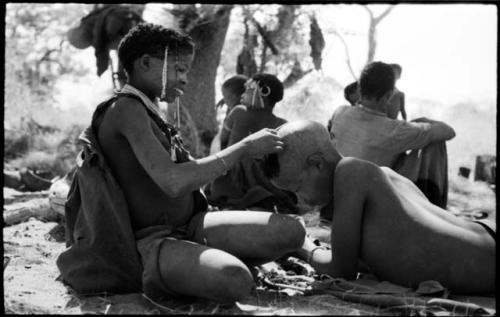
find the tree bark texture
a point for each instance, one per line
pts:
(208, 34)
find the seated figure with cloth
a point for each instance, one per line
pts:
(136, 220)
(245, 186)
(415, 149)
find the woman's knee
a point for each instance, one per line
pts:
(232, 283)
(292, 231)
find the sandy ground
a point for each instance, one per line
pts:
(30, 285)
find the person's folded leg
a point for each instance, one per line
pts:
(181, 267)
(249, 235)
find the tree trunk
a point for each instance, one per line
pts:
(372, 42)
(372, 31)
(209, 35)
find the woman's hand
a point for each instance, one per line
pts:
(263, 142)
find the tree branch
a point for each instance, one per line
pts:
(384, 14)
(369, 11)
(263, 58)
(266, 38)
(261, 31)
(348, 56)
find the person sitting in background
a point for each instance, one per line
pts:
(396, 103)
(351, 94)
(382, 223)
(245, 186)
(231, 89)
(366, 132)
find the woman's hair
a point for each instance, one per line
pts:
(376, 79)
(271, 165)
(271, 82)
(148, 38)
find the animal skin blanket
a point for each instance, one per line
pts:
(429, 298)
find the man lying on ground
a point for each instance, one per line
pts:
(381, 220)
(136, 220)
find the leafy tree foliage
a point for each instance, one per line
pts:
(36, 55)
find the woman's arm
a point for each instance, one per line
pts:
(177, 179)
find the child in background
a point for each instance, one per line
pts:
(351, 93)
(396, 104)
(231, 89)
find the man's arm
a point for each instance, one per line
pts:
(418, 133)
(174, 179)
(440, 131)
(349, 200)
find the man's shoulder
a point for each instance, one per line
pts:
(342, 111)
(354, 167)
(354, 176)
(343, 108)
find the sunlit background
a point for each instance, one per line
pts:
(448, 53)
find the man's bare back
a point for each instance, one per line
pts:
(381, 221)
(406, 239)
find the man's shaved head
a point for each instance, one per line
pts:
(306, 143)
(303, 138)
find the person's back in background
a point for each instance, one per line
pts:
(351, 94)
(366, 132)
(396, 103)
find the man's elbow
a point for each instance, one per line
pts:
(443, 132)
(452, 134)
(448, 134)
